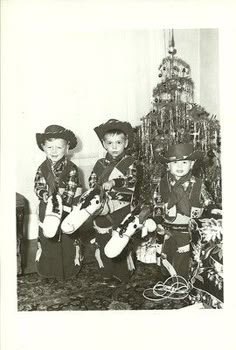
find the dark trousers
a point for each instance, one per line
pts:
(57, 258)
(179, 260)
(112, 267)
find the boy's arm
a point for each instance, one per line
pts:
(93, 179)
(210, 207)
(71, 188)
(206, 197)
(40, 186)
(94, 176)
(129, 181)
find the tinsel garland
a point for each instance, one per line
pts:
(175, 87)
(174, 60)
(175, 118)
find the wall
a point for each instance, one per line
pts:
(209, 73)
(81, 78)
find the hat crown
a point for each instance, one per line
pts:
(112, 121)
(179, 151)
(114, 124)
(54, 129)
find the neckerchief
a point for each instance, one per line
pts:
(179, 196)
(110, 160)
(58, 167)
(54, 171)
(110, 163)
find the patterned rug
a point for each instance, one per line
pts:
(87, 291)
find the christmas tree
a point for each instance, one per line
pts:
(175, 118)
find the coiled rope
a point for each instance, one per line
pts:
(174, 287)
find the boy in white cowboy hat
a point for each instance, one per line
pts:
(116, 174)
(184, 197)
(56, 185)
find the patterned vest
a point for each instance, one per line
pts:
(50, 178)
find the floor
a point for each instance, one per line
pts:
(87, 291)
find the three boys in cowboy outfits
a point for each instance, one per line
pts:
(183, 194)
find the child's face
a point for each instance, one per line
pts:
(115, 144)
(180, 167)
(55, 149)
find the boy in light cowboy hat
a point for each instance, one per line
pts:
(56, 185)
(184, 197)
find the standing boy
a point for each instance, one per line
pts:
(184, 197)
(116, 174)
(56, 185)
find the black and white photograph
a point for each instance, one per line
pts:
(123, 210)
(116, 203)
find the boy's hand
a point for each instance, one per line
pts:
(160, 229)
(45, 197)
(107, 186)
(216, 211)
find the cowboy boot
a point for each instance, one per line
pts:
(89, 203)
(131, 224)
(53, 215)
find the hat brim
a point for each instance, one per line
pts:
(125, 127)
(67, 135)
(196, 155)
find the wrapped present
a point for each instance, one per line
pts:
(147, 250)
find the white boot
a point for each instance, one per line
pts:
(121, 236)
(86, 208)
(116, 244)
(52, 216)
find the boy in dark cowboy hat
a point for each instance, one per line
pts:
(184, 197)
(116, 173)
(56, 185)
(113, 178)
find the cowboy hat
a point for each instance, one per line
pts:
(57, 132)
(181, 151)
(114, 124)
